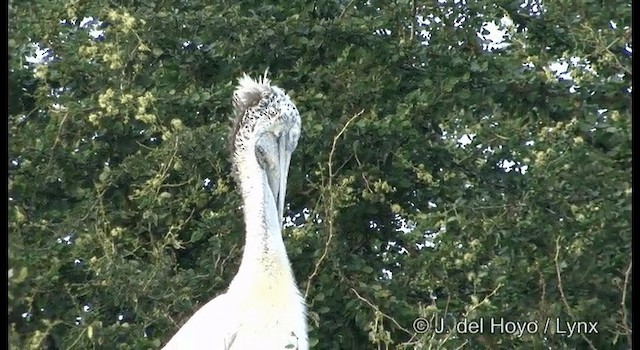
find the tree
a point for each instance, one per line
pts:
(437, 177)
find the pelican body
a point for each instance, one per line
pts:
(263, 307)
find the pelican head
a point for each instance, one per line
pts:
(267, 126)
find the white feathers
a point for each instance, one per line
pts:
(211, 327)
(249, 92)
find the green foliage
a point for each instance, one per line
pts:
(123, 218)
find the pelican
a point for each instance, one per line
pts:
(262, 307)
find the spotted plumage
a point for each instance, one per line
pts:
(257, 103)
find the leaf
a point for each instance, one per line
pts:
(313, 341)
(475, 67)
(196, 236)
